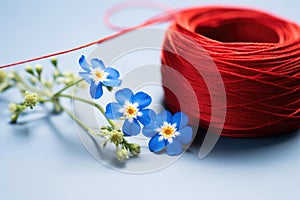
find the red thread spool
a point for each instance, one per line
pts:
(258, 57)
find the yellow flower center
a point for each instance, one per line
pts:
(131, 111)
(99, 74)
(168, 131)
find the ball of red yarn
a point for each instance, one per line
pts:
(258, 57)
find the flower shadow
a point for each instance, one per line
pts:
(41, 122)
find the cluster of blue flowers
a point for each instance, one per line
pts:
(166, 131)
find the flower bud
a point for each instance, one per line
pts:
(14, 76)
(14, 118)
(54, 62)
(4, 87)
(13, 107)
(30, 100)
(16, 110)
(39, 69)
(56, 74)
(2, 76)
(32, 80)
(134, 149)
(116, 137)
(48, 84)
(29, 69)
(122, 155)
(10, 75)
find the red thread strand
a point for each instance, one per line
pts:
(167, 15)
(257, 55)
(134, 4)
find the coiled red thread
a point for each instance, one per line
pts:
(258, 57)
(257, 54)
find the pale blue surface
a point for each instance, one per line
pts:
(44, 159)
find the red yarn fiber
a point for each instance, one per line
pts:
(257, 55)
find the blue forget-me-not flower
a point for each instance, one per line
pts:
(98, 75)
(168, 132)
(132, 107)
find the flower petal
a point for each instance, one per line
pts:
(150, 130)
(83, 64)
(112, 82)
(112, 73)
(112, 110)
(142, 99)
(96, 90)
(145, 118)
(174, 148)
(155, 144)
(186, 135)
(169, 116)
(85, 76)
(123, 95)
(180, 119)
(163, 116)
(97, 63)
(131, 128)
(152, 115)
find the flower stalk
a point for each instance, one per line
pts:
(167, 132)
(36, 90)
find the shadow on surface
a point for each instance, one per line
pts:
(69, 140)
(22, 128)
(51, 125)
(236, 149)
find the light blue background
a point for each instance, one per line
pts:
(44, 159)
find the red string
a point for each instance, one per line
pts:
(257, 54)
(167, 15)
(133, 4)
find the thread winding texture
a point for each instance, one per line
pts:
(258, 57)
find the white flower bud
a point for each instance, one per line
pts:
(134, 149)
(122, 155)
(30, 100)
(39, 68)
(116, 137)
(2, 76)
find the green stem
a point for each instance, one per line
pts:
(57, 106)
(24, 85)
(80, 123)
(21, 83)
(66, 87)
(45, 100)
(91, 103)
(39, 81)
